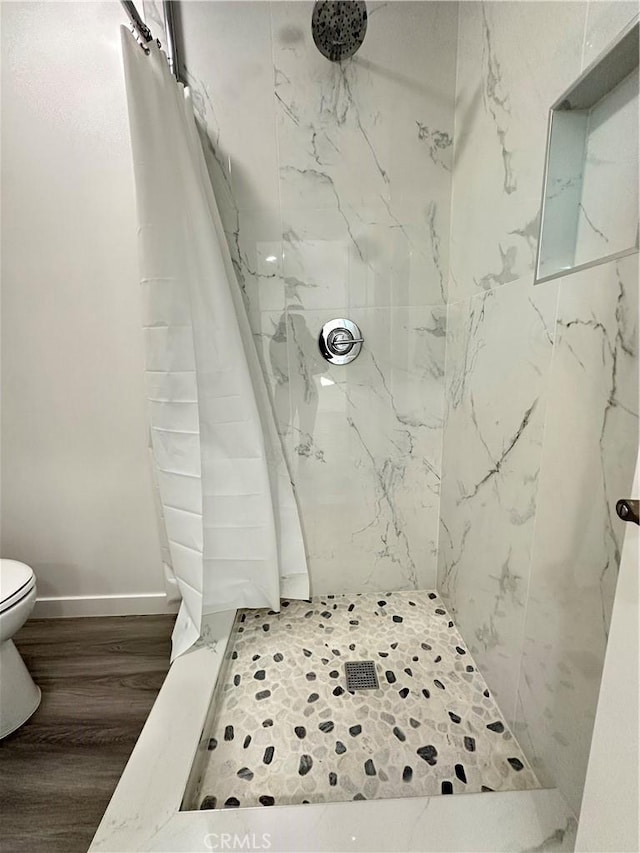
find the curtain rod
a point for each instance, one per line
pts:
(136, 21)
(170, 38)
(145, 33)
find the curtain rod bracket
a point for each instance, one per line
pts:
(144, 35)
(137, 23)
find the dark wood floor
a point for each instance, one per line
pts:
(99, 678)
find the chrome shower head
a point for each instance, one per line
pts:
(339, 27)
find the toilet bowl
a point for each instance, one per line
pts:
(19, 696)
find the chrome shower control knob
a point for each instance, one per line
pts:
(340, 341)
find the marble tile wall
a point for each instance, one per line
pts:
(588, 460)
(515, 58)
(334, 182)
(499, 348)
(539, 406)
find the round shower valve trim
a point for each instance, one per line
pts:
(340, 341)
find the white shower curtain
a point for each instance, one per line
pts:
(231, 520)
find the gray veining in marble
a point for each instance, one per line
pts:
(499, 347)
(334, 184)
(366, 447)
(540, 410)
(514, 59)
(588, 459)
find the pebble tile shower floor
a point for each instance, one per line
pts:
(286, 730)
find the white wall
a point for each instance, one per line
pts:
(77, 501)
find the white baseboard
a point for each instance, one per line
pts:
(102, 605)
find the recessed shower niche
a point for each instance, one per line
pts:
(590, 196)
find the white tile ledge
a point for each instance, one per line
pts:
(144, 815)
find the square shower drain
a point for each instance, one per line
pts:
(361, 675)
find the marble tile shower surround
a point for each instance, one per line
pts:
(365, 153)
(334, 185)
(364, 442)
(536, 415)
(588, 459)
(514, 59)
(347, 182)
(365, 448)
(499, 347)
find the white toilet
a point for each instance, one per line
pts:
(19, 696)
